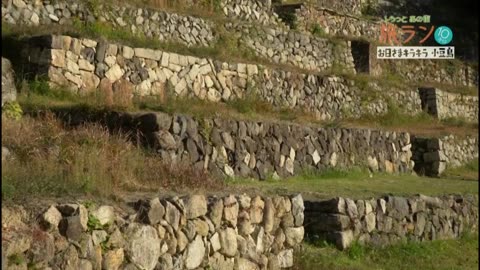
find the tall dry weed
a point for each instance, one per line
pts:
(49, 160)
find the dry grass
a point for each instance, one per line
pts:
(201, 8)
(420, 125)
(251, 107)
(49, 160)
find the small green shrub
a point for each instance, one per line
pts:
(94, 223)
(12, 110)
(41, 87)
(205, 129)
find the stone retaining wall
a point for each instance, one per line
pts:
(390, 219)
(254, 11)
(82, 64)
(274, 42)
(294, 48)
(427, 70)
(165, 26)
(433, 155)
(352, 7)
(444, 105)
(192, 232)
(287, 46)
(278, 44)
(332, 23)
(230, 148)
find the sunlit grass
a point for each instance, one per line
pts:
(454, 254)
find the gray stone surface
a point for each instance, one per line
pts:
(326, 97)
(9, 91)
(394, 219)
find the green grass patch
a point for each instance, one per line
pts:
(455, 254)
(357, 184)
(468, 171)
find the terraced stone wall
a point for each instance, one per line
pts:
(427, 70)
(341, 6)
(295, 48)
(390, 219)
(329, 22)
(444, 105)
(262, 150)
(165, 26)
(85, 65)
(272, 41)
(433, 155)
(275, 42)
(254, 11)
(191, 232)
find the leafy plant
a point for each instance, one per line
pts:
(89, 204)
(205, 129)
(94, 223)
(12, 110)
(104, 244)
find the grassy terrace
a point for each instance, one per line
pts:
(458, 254)
(37, 95)
(52, 160)
(89, 163)
(361, 184)
(126, 167)
(227, 47)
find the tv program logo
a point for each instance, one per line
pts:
(396, 32)
(443, 35)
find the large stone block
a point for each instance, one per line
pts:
(9, 91)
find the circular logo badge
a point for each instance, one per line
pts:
(443, 35)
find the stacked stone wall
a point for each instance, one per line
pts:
(341, 6)
(254, 11)
(444, 105)
(82, 64)
(427, 70)
(262, 150)
(272, 41)
(295, 48)
(331, 23)
(191, 232)
(433, 155)
(164, 26)
(391, 219)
